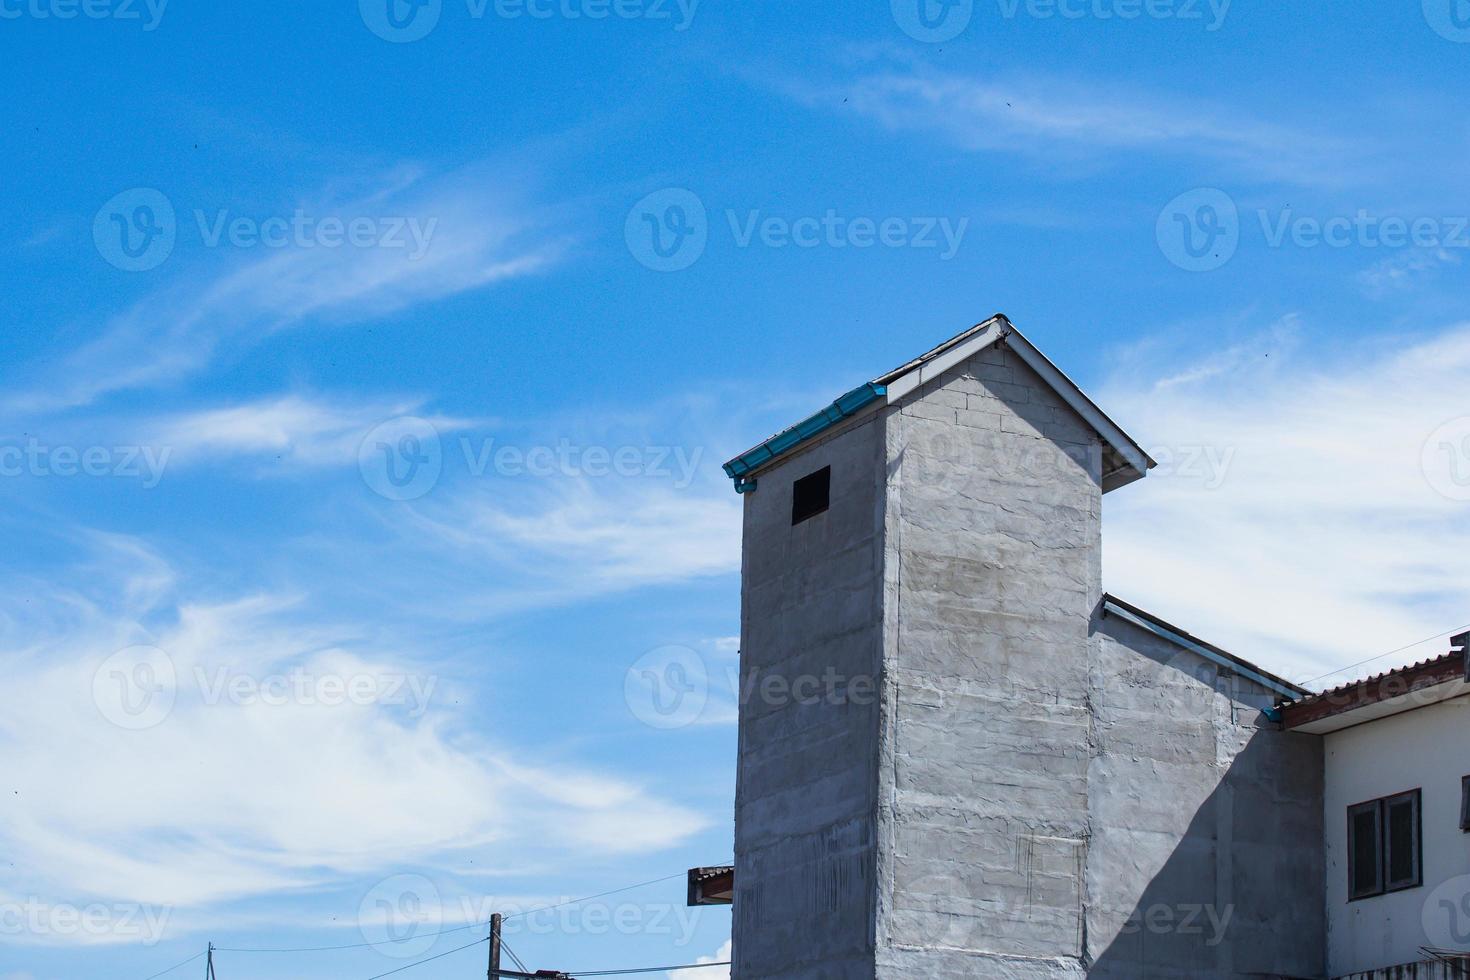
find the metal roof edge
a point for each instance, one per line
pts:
(1128, 612)
(783, 442)
(912, 375)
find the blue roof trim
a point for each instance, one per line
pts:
(845, 407)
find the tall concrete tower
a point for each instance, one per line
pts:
(958, 758)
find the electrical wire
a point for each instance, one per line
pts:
(1407, 646)
(175, 966)
(644, 969)
(320, 949)
(410, 966)
(578, 901)
(514, 958)
(441, 932)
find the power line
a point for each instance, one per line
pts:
(421, 962)
(174, 967)
(514, 958)
(615, 891)
(1390, 653)
(646, 969)
(441, 932)
(321, 949)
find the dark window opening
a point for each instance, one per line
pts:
(1365, 865)
(1465, 804)
(811, 494)
(1385, 846)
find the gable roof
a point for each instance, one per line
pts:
(1124, 460)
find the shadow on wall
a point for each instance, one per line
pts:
(1240, 893)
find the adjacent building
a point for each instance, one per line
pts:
(1397, 805)
(962, 758)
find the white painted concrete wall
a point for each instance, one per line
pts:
(1429, 749)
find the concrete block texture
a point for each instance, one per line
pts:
(1033, 790)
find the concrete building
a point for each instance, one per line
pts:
(959, 757)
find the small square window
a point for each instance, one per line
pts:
(810, 495)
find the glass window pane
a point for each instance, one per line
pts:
(1403, 840)
(1365, 862)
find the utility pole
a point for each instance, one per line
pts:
(209, 964)
(494, 972)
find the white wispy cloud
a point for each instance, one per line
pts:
(313, 430)
(572, 538)
(478, 229)
(245, 786)
(1050, 117)
(1405, 270)
(1310, 509)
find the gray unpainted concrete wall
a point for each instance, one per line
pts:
(1034, 781)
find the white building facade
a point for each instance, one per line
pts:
(1396, 807)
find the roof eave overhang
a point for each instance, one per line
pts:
(1384, 696)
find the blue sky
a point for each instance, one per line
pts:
(381, 457)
